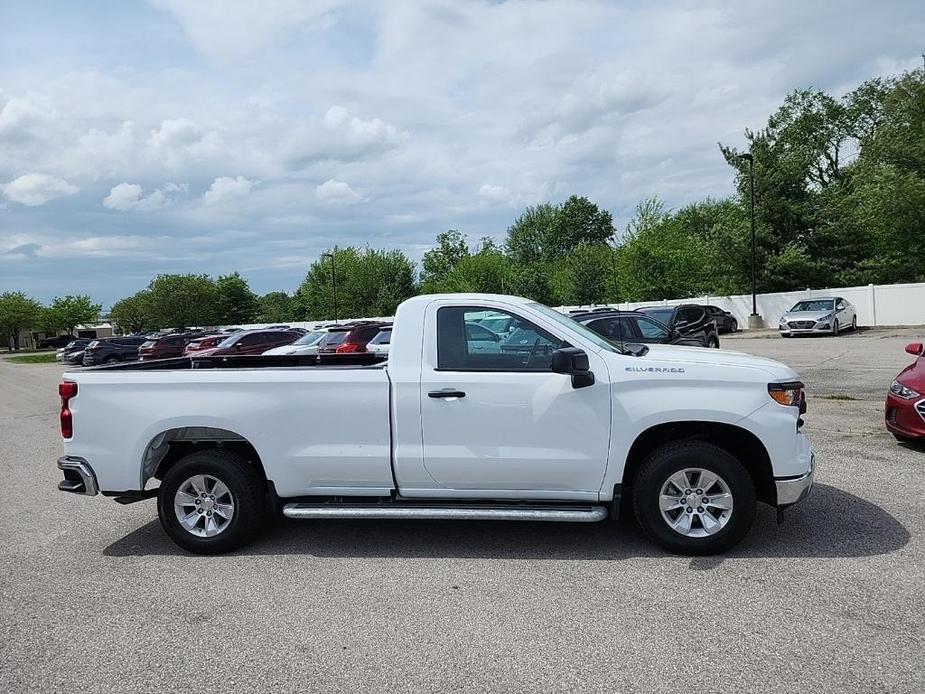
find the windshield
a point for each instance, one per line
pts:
(310, 338)
(577, 327)
(228, 341)
(662, 315)
(815, 305)
(335, 337)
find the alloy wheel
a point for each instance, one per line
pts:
(695, 502)
(203, 505)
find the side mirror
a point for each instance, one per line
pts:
(840, 307)
(573, 361)
(915, 348)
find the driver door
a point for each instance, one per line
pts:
(503, 423)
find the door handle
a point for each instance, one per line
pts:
(446, 393)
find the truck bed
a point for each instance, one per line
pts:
(258, 361)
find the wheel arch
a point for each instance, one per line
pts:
(742, 444)
(170, 445)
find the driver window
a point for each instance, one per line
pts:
(652, 330)
(468, 340)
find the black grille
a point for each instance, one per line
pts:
(801, 324)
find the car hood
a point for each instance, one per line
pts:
(913, 376)
(677, 355)
(807, 315)
(291, 349)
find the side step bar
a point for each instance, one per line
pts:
(587, 514)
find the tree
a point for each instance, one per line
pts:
(438, 262)
(528, 238)
(549, 232)
(133, 313)
(484, 271)
(275, 307)
(182, 301)
(237, 304)
(68, 312)
(370, 283)
(18, 312)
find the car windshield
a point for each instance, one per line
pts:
(577, 327)
(383, 337)
(310, 338)
(228, 341)
(814, 305)
(335, 337)
(662, 315)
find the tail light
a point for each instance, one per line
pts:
(67, 390)
(348, 347)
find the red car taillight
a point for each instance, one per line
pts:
(349, 347)
(67, 390)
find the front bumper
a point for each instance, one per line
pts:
(905, 417)
(78, 476)
(791, 490)
(825, 329)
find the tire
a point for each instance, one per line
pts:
(835, 328)
(112, 360)
(713, 342)
(247, 498)
(854, 323)
(671, 459)
(733, 326)
(786, 335)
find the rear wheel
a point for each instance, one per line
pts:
(713, 342)
(694, 498)
(733, 326)
(112, 360)
(211, 501)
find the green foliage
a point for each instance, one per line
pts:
(237, 304)
(548, 232)
(438, 262)
(67, 312)
(183, 301)
(275, 307)
(44, 358)
(369, 283)
(133, 313)
(17, 312)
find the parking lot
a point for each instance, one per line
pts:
(94, 597)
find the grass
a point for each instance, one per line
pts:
(837, 396)
(42, 358)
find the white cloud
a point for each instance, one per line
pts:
(494, 193)
(179, 141)
(37, 189)
(339, 192)
(226, 189)
(130, 196)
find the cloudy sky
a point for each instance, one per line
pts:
(213, 136)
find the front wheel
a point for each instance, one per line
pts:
(733, 326)
(713, 342)
(211, 501)
(694, 498)
(854, 323)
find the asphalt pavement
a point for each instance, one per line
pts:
(95, 598)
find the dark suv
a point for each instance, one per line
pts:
(634, 327)
(689, 320)
(350, 338)
(113, 349)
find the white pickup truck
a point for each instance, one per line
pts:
(550, 422)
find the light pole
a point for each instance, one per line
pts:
(333, 282)
(751, 183)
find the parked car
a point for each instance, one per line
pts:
(905, 401)
(695, 438)
(634, 327)
(725, 321)
(165, 347)
(691, 321)
(200, 344)
(350, 338)
(251, 342)
(73, 352)
(56, 341)
(829, 315)
(307, 344)
(379, 345)
(113, 349)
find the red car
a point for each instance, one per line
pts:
(165, 347)
(250, 342)
(198, 344)
(350, 338)
(905, 403)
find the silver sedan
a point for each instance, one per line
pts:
(829, 315)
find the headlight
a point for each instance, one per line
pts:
(901, 391)
(789, 393)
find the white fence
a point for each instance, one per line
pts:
(877, 304)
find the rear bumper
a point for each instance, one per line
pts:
(78, 476)
(791, 490)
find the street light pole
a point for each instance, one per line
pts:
(751, 182)
(333, 282)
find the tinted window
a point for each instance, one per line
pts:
(310, 338)
(662, 315)
(252, 339)
(335, 337)
(815, 305)
(527, 348)
(477, 333)
(383, 338)
(615, 328)
(652, 330)
(691, 314)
